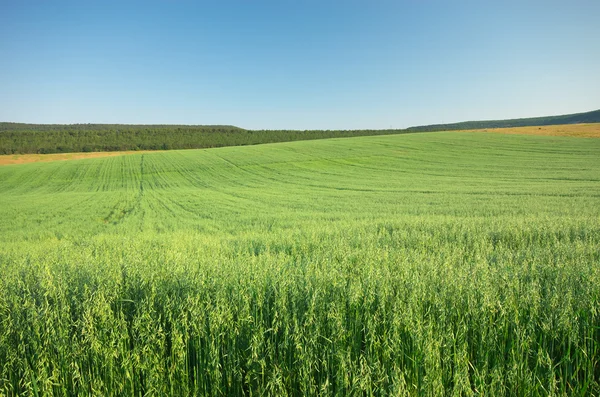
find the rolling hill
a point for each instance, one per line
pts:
(576, 118)
(418, 264)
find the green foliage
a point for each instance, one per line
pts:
(421, 264)
(577, 118)
(48, 138)
(17, 138)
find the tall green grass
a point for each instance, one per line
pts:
(430, 264)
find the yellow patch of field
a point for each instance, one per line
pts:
(575, 130)
(34, 158)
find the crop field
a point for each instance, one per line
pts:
(419, 264)
(9, 159)
(589, 130)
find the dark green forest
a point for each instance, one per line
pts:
(576, 118)
(18, 138)
(53, 138)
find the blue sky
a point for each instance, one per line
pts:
(296, 64)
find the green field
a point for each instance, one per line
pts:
(418, 264)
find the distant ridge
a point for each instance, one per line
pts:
(11, 126)
(576, 118)
(21, 138)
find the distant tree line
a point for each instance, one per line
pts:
(18, 138)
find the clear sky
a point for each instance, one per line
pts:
(297, 64)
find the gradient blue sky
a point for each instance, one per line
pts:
(296, 64)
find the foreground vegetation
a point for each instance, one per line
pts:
(421, 264)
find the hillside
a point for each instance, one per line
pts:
(419, 264)
(16, 138)
(576, 118)
(19, 138)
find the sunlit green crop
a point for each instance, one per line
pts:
(427, 264)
